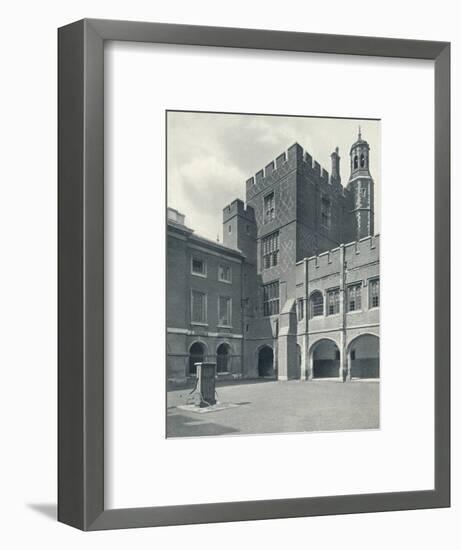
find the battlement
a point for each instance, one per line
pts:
(294, 157)
(237, 208)
(356, 253)
(365, 250)
(324, 264)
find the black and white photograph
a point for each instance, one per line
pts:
(273, 274)
(228, 253)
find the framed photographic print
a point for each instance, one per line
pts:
(287, 289)
(253, 274)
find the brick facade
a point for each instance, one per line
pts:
(183, 246)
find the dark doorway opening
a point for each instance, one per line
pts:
(266, 362)
(196, 355)
(222, 358)
(325, 360)
(364, 357)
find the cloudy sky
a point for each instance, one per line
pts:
(210, 156)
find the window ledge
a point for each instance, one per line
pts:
(203, 276)
(199, 324)
(224, 281)
(225, 326)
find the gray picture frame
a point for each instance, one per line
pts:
(81, 274)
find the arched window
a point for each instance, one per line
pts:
(356, 161)
(196, 355)
(316, 304)
(362, 160)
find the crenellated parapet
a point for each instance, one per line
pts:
(237, 208)
(295, 158)
(356, 254)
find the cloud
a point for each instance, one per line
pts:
(201, 188)
(211, 155)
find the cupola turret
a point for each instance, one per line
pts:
(361, 186)
(360, 157)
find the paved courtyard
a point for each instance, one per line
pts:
(276, 407)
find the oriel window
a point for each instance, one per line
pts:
(270, 250)
(271, 299)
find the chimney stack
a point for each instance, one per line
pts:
(335, 158)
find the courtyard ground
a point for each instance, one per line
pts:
(278, 407)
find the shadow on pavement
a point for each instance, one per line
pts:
(221, 383)
(180, 425)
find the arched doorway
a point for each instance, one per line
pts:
(266, 362)
(325, 359)
(364, 356)
(223, 358)
(196, 355)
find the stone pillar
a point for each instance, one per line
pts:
(307, 360)
(344, 372)
(303, 343)
(302, 325)
(310, 363)
(286, 349)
